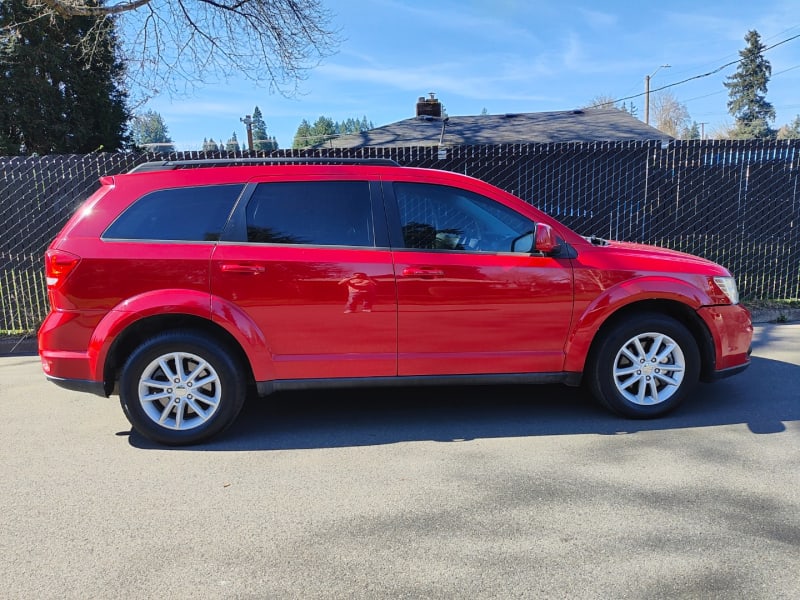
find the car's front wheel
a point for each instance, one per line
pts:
(181, 388)
(645, 366)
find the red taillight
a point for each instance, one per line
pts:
(57, 265)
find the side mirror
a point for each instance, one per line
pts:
(546, 240)
(542, 239)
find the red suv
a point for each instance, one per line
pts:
(182, 285)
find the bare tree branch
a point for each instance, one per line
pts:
(77, 8)
(669, 114)
(171, 46)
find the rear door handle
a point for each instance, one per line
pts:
(422, 272)
(242, 268)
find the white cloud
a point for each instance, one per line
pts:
(598, 20)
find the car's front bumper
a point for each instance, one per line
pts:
(731, 329)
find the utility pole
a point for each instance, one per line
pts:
(248, 123)
(702, 131)
(647, 93)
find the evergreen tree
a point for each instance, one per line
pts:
(692, 132)
(55, 98)
(150, 132)
(790, 131)
(261, 140)
(747, 90)
(233, 144)
(302, 137)
(209, 145)
(325, 128)
(630, 109)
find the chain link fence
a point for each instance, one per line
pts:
(734, 202)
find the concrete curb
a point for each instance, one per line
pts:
(776, 315)
(18, 345)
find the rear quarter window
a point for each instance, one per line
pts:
(195, 214)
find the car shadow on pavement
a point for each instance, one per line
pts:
(762, 398)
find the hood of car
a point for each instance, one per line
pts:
(664, 257)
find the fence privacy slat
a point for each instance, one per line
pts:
(735, 202)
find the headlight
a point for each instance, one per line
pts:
(727, 285)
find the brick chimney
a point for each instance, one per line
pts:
(429, 107)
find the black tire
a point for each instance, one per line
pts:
(158, 393)
(644, 366)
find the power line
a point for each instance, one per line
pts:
(708, 74)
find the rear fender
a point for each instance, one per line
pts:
(179, 302)
(625, 294)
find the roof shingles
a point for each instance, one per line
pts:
(588, 125)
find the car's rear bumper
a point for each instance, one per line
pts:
(80, 385)
(63, 341)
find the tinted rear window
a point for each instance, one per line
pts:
(195, 214)
(324, 213)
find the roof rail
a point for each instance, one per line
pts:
(168, 165)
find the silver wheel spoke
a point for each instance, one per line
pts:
(156, 397)
(166, 411)
(206, 399)
(640, 351)
(626, 370)
(179, 372)
(197, 371)
(666, 379)
(156, 384)
(653, 391)
(200, 383)
(654, 348)
(662, 356)
(640, 395)
(179, 410)
(165, 367)
(196, 408)
(632, 357)
(629, 382)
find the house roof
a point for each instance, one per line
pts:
(585, 125)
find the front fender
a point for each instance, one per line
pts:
(625, 294)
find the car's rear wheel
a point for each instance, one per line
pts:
(645, 366)
(181, 388)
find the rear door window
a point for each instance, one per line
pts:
(320, 213)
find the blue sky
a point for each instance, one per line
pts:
(509, 56)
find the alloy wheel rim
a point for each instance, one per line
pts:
(649, 369)
(179, 391)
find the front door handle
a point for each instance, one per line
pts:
(242, 268)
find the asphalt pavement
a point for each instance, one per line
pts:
(487, 492)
